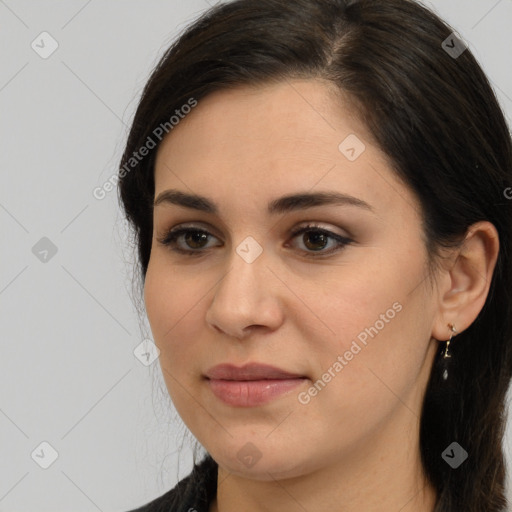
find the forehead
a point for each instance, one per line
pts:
(275, 138)
(272, 119)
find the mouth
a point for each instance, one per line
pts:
(250, 371)
(252, 384)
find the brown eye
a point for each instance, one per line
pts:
(316, 239)
(195, 240)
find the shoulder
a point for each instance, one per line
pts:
(194, 493)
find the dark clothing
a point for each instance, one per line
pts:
(194, 493)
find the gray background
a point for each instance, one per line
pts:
(69, 328)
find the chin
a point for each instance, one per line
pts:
(250, 462)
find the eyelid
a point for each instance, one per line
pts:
(320, 226)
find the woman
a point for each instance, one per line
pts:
(318, 191)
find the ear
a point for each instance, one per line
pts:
(463, 284)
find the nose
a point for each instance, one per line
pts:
(246, 297)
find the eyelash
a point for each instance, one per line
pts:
(169, 239)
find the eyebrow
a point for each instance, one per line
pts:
(288, 203)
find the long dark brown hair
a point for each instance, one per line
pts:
(434, 113)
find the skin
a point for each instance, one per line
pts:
(355, 445)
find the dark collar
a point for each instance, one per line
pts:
(199, 488)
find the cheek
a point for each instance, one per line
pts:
(380, 320)
(383, 350)
(175, 310)
(168, 297)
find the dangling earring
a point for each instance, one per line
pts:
(446, 355)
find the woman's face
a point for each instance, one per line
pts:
(352, 321)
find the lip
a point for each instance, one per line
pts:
(250, 385)
(249, 371)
